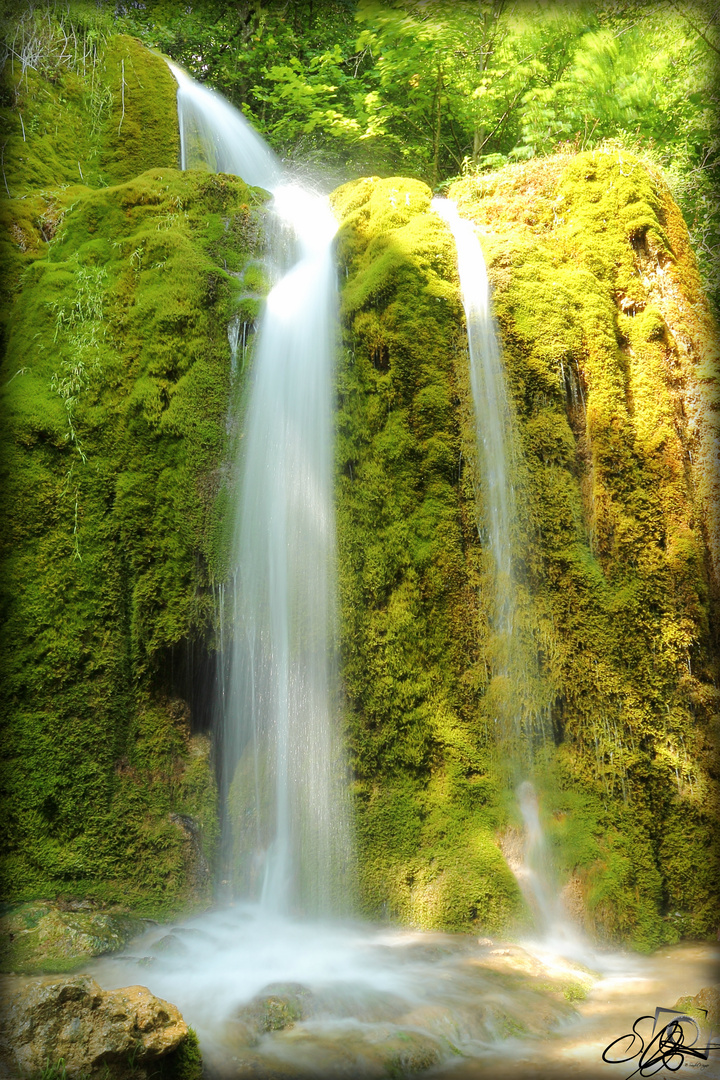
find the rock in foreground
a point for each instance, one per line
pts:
(112, 1034)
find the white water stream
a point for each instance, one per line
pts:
(286, 840)
(490, 404)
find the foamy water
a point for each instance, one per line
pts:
(449, 1002)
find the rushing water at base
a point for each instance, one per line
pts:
(358, 1001)
(285, 822)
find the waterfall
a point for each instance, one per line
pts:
(215, 136)
(491, 408)
(555, 931)
(533, 875)
(285, 824)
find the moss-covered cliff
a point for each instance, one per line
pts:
(116, 381)
(608, 349)
(120, 275)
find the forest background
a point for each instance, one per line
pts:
(439, 88)
(435, 89)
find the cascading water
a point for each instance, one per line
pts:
(535, 877)
(215, 136)
(493, 428)
(285, 834)
(491, 407)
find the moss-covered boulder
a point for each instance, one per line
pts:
(115, 402)
(44, 937)
(610, 357)
(410, 566)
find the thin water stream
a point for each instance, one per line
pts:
(491, 407)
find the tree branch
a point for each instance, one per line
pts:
(692, 26)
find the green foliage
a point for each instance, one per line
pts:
(293, 70)
(56, 1071)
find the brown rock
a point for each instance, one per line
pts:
(707, 1000)
(93, 1031)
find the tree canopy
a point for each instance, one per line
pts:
(438, 88)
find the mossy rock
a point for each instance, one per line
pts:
(43, 937)
(276, 1007)
(703, 1007)
(116, 391)
(607, 692)
(410, 565)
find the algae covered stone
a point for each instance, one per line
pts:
(410, 564)
(115, 401)
(610, 356)
(42, 936)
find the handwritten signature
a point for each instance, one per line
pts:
(668, 1046)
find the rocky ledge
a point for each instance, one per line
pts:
(73, 1023)
(43, 936)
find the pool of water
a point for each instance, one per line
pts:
(272, 997)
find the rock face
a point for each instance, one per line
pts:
(43, 937)
(704, 1006)
(609, 684)
(95, 1033)
(123, 369)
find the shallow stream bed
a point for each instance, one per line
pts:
(273, 997)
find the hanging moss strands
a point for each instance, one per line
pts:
(607, 343)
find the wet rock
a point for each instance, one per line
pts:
(706, 1001)
(110, 1034)
(198, 867)
(276, 1007)
(409, 1052)
(170, 945)
(47, 937)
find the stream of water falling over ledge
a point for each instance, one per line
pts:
(285, 821)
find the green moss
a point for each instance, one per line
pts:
(116, 379)
(612, 666)
(138, 133)
(40, 937)
(426, 802)
(186, 1062)
(587, 288)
